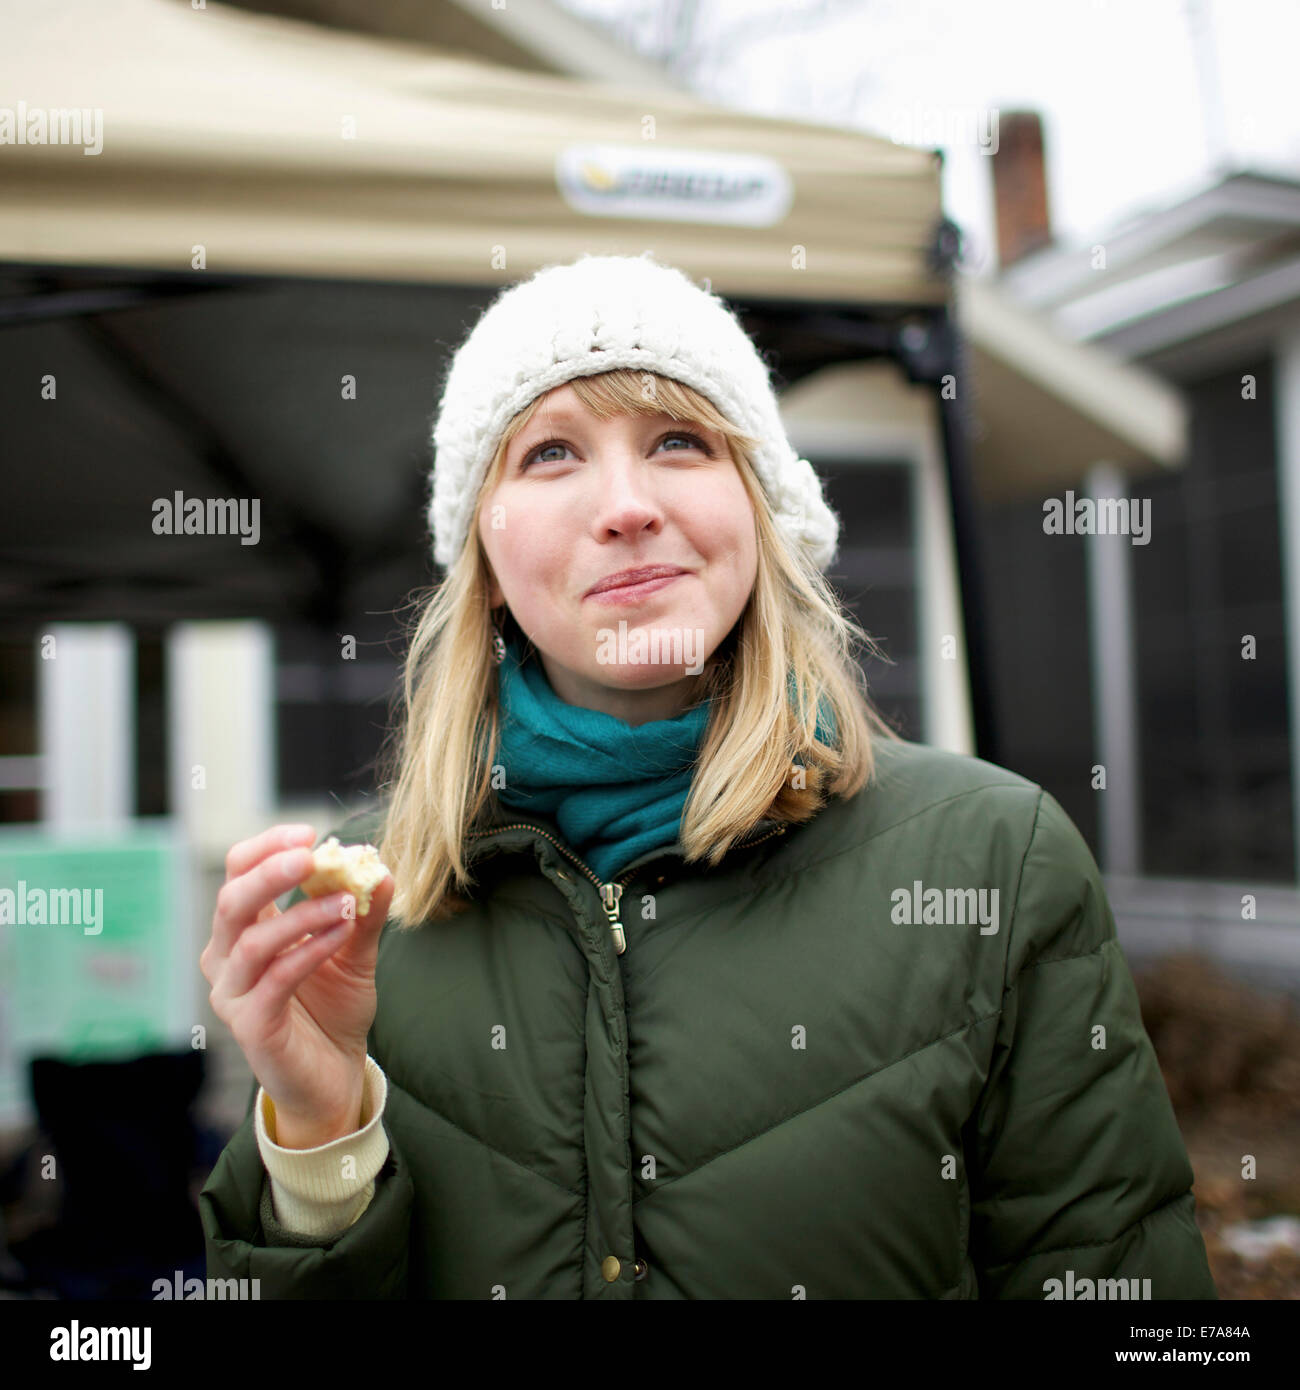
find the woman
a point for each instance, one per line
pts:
(697, 982)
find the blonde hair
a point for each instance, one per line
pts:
(436, 767)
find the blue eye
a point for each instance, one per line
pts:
(542, 449)
(694, 439)
(532, 456)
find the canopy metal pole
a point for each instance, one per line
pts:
(965, 529)
(933, 352)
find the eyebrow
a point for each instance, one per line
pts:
(565, 416)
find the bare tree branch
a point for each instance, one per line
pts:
(780, 21)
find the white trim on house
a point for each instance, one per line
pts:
(1216, 310)
(86, 725)
(1140, 417)
(1156, 917)
(221, 730)
(1114, 683)
(1231, 213)
(947, 719)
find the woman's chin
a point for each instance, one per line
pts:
(645, 676)
(680, 648)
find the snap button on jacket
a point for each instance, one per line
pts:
(892, 1052)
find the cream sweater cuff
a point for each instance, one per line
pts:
(322, 1191)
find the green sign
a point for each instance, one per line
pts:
(95, 959)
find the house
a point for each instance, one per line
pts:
(1192, 676)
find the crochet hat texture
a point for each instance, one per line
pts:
(593, 315)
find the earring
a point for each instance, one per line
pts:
(498, 645)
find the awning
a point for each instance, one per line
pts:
(1046, 409)
(284, 147)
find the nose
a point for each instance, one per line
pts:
(625, 501)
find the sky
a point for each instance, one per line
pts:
(1136, 113)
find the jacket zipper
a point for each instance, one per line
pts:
(610, 893)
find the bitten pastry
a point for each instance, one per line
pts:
(355, 869)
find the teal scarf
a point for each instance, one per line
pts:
(615, 791)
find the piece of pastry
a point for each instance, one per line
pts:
(355, 869)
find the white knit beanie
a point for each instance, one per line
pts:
(596, 314)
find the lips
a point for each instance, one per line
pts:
(626, 578)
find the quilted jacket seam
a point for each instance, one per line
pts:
(894, 825)
(1056, 960)
(808, 1109)
(757, 883)
(1020, 887)
(1092, 1244)
(469, 1134)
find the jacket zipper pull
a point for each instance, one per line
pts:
(610, 893)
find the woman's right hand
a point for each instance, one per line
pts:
(300, 1010)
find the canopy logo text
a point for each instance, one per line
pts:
(746, 190)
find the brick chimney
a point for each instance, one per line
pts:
(1020, 187)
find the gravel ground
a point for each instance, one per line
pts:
(1230, 1055)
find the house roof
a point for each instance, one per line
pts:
(1047, 408)
(1185, 286)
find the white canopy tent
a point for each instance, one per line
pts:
(286, 148)
(207, 218)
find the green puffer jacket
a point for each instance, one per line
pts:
(806, 1075)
